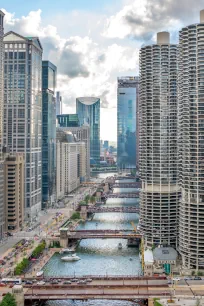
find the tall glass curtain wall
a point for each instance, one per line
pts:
(48, 133)
(126, 127)
(23, 111)
(89, 114)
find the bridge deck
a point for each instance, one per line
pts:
(89, 234)
(104, 209)
(123, 195)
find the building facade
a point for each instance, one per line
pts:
(49, 74)
(191, 139)
(23, 111)
(14, 191)
(2, 211)
(88, 110)
(126, 122)
(68, 120)
(71, 156)
(82, 134)
(159, 196)
(58, 104)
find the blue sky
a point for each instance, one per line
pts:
(92, 42)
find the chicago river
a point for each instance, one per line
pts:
(101, 256)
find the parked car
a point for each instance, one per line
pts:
(197, 278)
(176, 279)
(41, 283)
(67, 283)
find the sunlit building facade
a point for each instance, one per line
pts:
(160, 193)
(88, 110)
(191, 140)
(23, 111)
(126, 122)
(49, 74)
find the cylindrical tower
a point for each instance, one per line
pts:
(191, 135)
(159, 196)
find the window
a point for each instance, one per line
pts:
(21, 55)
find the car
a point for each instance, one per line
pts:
(81, 282)
(188, 278)
(169, 282)
(41, 283)
(28, 282)
(89, 280)
(67, 283)
(74, 280)
(176, 279)
(54, 282)
(197, 278)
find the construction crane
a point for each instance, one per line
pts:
(134, 226)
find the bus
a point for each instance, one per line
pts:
(15, 281)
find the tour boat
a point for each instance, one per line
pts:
(65, 251)
(120, 246)
(73, 257)
(40, 273)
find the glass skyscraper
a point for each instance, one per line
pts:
(68, 120)
(23, 111)
(126, 122)
(49, 72)
(88, 110)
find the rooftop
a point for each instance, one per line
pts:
(166, 253)
(88, 100)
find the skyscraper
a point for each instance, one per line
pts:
(49, 72)
(68, 120)
(2, 209)
(58, 104)
(159, 197)
(23, 111)
(191, 138)
(126, 121)
(88, 110)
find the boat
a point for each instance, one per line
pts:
(73, 257)
(40, 273)
(65, 251)
(120, 246)
(130, 259)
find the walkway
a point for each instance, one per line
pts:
(104, 209)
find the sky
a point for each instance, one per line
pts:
(92, 42)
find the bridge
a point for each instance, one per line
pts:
(123, 195)
(109, 234)
(121, 287)
(104, 209)
(127, 185)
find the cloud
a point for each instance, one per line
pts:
(142, 19)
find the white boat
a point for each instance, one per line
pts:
(120, 246)
(40, 273)
(73, 257)
(65, 251)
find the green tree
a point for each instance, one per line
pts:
(92, 199)
(75, 216)
(86, 199)
(8, 300)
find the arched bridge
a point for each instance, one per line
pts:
(104, 209)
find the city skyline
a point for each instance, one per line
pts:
(110, 40)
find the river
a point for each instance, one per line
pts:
(101, 256)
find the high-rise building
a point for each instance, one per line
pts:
(106, 144)
(2, 210)
(58, 104)
(71, 156)
(49, 74)
(126, 121)
(23, 111)
(88, 110)
(68, 120)
(14, 191)
(159, 196)
(191, 140)
(82, 134)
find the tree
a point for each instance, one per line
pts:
(86, 199)
(92, 199)
(8, 300)
(75, 216)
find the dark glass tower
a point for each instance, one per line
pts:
(68, 120)
(88, 110)
(126, 121)
(49, 72)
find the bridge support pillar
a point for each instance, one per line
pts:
(133, 242)
(150, 302)
(64, 237)
(17, 291)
